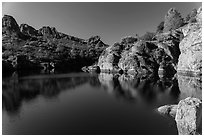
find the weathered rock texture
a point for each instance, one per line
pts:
(190, 60)
(168, 110)
(190, 87)
(187, 114)
(177, 49)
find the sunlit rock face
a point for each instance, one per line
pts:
(190, 87)
(189, 116)
(139, 58)
(190, 60)
(168, 110)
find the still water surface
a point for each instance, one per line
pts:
(82, 103)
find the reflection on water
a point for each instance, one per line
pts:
(127, 97)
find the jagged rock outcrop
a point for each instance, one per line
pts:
(9, 25)
(187, 114)
(47, 31)
(28, 30)
(45, 46)
(190, 60)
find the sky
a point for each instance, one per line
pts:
(111, 21)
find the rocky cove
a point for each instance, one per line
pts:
(135, 92)
(174, 51)
(170, 61)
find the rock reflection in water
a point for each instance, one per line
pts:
(16, 89)
(151, 90)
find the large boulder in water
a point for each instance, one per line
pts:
(190, 60)
(189, 116)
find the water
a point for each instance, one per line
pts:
(91, 104)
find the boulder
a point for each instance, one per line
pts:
(108, 61)
(28, 30)
(189, 116)
(168, 110)
(190, 60)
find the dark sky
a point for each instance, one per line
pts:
(111, 21)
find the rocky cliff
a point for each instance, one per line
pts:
(190, 60)
(173, 50)
(24, 47)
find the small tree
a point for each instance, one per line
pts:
(191, 16)
(160, 27)
(148, 36)
(173, 20)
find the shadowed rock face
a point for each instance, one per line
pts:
(9, 25)
(45, 46)
(28, 30)
(190, 60)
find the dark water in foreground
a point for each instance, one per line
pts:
(82, 103)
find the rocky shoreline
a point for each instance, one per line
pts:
(174, 51)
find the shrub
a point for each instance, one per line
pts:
(191, 16)
(173, 20)
(128, 40)
(160, 27)
(148, 36)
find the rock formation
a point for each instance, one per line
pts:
(176, 49)
(190, 60)
(25, 47)
(187, 114)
